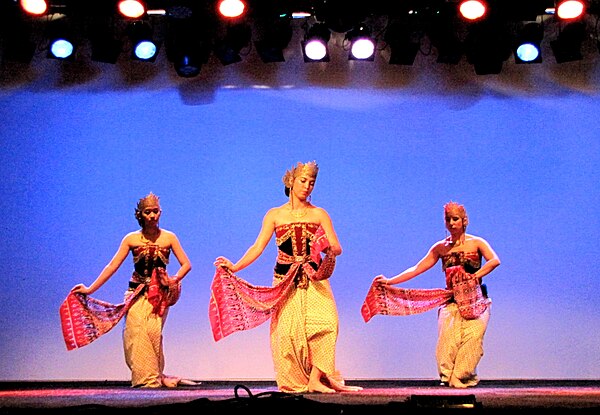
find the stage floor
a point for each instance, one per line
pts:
(377, 397)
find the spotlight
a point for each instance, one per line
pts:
(34, 7)
(61, 48)
(567, 46)
(314, 45)
(132, 8)
(403, 48)
(187, 45)
(237, 37)
(473, 10)
(527, 47)
(61, 41)
(275, 36)
(570, 9)
(362, 45)
(231, 8)
(143, 46)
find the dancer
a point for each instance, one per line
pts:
(464, 307)
(301, 305)
(150, 294)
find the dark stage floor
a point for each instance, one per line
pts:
(378, 397)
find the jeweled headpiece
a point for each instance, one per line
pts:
(310, 169)
(150, 200)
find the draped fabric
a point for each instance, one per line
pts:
(237, 305)
(390, 300)
(396, 301)
(163, 291)
(84, 318)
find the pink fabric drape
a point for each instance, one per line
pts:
(83, 318)
(395, 301)
(237, 305)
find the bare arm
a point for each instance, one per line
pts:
(428, 261)
(185, 266)
(334, 243)
(491, 258)
(108, 270)
(257, 248)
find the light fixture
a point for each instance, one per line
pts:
(403, 48)
(567, 46)
(231, 8)
(34, 7)
(570, 9)
(314, 45)
(527, 48)
(473, 10)
(134, 9)
(362, 45)
(487, 46)
(236, 38)
(443, 35)
(274, 36)
(187, 45)
(61, 39)
(143, 47)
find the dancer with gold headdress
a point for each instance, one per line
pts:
(300, 303)
(463, 306)
(150, 294)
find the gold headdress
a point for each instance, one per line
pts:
(150, 200)
(310, 169)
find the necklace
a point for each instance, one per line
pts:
(151, 239)
(299, 214)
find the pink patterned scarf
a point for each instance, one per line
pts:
(395, 301)
(83, 318)
(238, 305)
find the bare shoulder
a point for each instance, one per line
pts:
(167, 234)
(439, 248)
(131, 239)
(478, 240)
(320, 211)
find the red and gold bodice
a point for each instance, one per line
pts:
(145, 259)
(293, 245)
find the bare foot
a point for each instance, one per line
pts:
(340, 386)
(170, 381)
(319, 387)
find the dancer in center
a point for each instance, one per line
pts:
(300, 304)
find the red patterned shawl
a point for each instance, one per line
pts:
(395, 301)
(84, 318)
(237, 305)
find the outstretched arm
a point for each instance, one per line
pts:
(257, 248)
(108, 270)
(428, 261)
